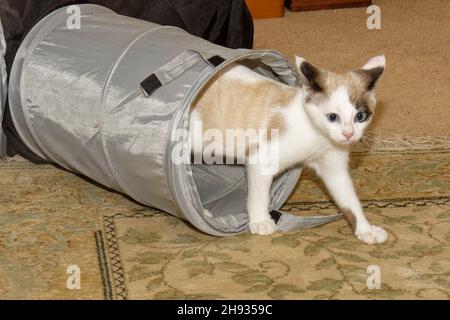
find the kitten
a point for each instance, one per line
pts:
(316, 123)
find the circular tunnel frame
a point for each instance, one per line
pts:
(191, 206)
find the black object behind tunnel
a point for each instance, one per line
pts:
(224, 22)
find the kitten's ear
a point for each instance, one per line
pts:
(310, 74)
(375, 62)
(373, 69)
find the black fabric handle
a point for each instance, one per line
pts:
(216, 61)
(151, 84)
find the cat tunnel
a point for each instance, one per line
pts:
(108, 100)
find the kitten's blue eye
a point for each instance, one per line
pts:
(361, 116)
(333, 117)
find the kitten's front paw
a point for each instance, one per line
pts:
(263, 228)
(372, 235)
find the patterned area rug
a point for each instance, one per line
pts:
(51, 219)
(48, 218)
(149, 255)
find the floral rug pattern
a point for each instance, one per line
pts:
(51, 219)
(408, 193)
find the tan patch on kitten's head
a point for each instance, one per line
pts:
(360, 83)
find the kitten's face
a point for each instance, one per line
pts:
(341, 106)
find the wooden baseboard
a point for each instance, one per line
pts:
(263, 9)
(308, 5)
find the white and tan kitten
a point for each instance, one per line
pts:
(317, 124)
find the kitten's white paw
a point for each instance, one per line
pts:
(372, 235)
(263, 228)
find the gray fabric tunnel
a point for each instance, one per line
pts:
(107, 99)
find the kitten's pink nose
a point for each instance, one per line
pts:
(347, 134)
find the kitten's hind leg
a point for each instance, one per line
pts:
(258, 201)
